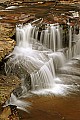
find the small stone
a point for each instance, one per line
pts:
(63, 118)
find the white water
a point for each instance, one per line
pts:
(59, 39)
(11, 7)
(51, 38)
(18, 103)
(23, 36)
(76, 47)
(39, 61)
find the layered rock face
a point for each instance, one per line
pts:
(6, 43)
(1, 1)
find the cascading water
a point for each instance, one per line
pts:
(59, 42)
(51, 37)
(36, 57)
(74, 43)
(23, 36)
(44, 78)
(39, 61)
(76, 47)
(15, 102)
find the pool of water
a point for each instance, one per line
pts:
(57, 106)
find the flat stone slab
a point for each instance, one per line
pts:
(2, 1)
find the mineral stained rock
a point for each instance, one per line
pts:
(6, 43)
(7, 85)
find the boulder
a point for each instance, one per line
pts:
(7, 85)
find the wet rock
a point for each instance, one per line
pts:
(2, 1)
(69, 79)
(26, 19)
(7, 85)
(50, 11)
(6, 48)
(5, 114)
(18, 91)
(6, 30)
(71, 68)
(9, 113)
(15, 67)
(6, 43)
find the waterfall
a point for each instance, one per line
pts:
(74, 43)
(29, 55)
(58, 59)
(46, 38)
(51, 37)
(23, 36)
(59, 40)
(37, 57)
(76, 46)
(70, 42)
(44, 78)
